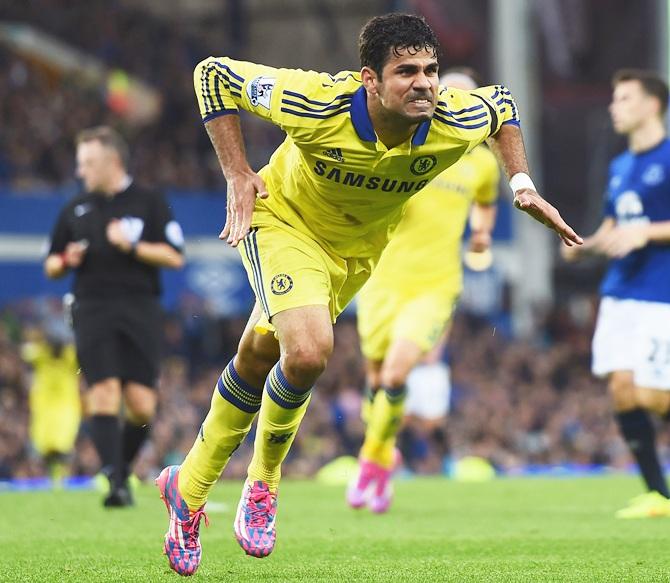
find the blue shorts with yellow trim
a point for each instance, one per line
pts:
(288, 269)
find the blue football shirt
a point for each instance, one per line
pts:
(639, 192)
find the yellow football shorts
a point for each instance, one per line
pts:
(288, 269)
(388, 315)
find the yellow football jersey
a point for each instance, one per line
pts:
(332, 178)
(55, 378)
(55, 405)
(425, 249)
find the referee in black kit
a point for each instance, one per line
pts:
(115, 236)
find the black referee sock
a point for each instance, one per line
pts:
(638, 432)
(132, 440)
(105, 432)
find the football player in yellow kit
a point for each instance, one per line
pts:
(55, 403)
(404, 308)
(312, 224)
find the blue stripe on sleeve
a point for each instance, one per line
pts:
(205, 90)
(515, 111)
(227, 79)
(216, 114)
(313, 101)
(340, 79)
(460, 125)
(316, 115)
(227, 68)
(217, 92)
(312, 109)
(460, 111)
(223, 74)
(461, 119)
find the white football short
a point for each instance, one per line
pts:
(428, 391)
(633, 335)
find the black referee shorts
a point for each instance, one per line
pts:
(119, 337)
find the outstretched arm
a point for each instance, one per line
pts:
(507, 145)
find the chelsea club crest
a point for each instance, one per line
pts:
(281, 284)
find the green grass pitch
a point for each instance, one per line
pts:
(509, 530)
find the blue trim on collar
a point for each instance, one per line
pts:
(360, 116)
(363, 124)
(421, 133)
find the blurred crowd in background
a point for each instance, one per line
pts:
(42, 110)
(514, 403)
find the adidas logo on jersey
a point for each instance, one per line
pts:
(335, 154)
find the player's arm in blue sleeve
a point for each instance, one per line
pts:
(615, 241)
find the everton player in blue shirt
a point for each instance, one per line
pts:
(631, 345)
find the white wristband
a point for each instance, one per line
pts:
(521, 180)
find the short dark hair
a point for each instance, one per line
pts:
(109, 138)
(652, 84)
(394, 32)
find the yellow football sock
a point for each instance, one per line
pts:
(385, 418)
(57, 472)
(234, 406)
(366, 403)
(282, 410)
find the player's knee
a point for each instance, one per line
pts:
(653, 400)
(254, 365)
(141, 413)
(622, 391)
(394, 376)
(140, 407)
(104, 397)
(645, 400)
(306, 362)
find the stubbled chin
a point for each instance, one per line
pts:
(423, 116)
(420, 114)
